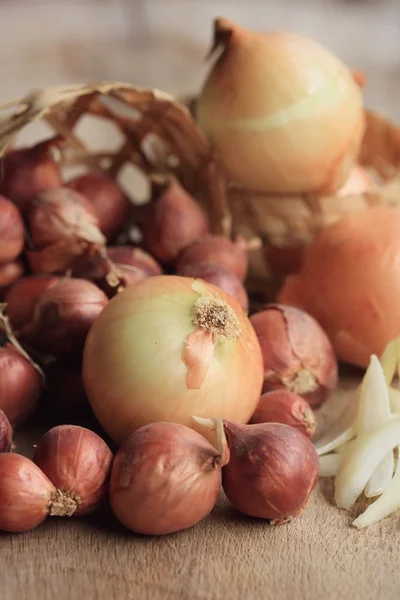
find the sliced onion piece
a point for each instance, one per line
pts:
(384, 506)
(394, 396)
(341, 431)
(361, 461)
(329, 465)
(374, 409)
(390, 360)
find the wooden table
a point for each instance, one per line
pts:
(318, 556)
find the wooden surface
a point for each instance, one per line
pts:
(318, 556)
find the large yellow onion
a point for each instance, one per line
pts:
(169, 348)
(285, 114)
(350, 283)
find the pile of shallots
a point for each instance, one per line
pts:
(153, 338)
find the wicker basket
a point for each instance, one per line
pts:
(159, 135)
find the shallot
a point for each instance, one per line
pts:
(78, 463)
(218, 251)
(110, 204)
(27, 172)
(166, 477)
(297, 353)
(174, 221)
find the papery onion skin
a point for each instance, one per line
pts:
(157, 365)
(76, 460)
(220, 277)
(20, 385)
(281, 406)
(134, 263)
(10, 273)
(5, 433)
(62, 227)
(349, 278)
(284, 113)
(174, 221)
(272, 470)
(24, 494)
(11, 231)
(63, 316)
(29, 171)
(217, 250)
(110, 204)
(297, 353)
(166, 477)
(21, 298)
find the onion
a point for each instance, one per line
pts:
(349, 278)
(62, 229)
(374, 408)
(110, 204)
(217, 250)
(281, 406)
(11, 231)
(296, 352)
(271, 472)
(63, 316)
(361, 461)
(21, 381)
(220, 277)
(285, 114)
(27, 172)
(22, 297)
(174, 220)
(167, 348)
(166, 477)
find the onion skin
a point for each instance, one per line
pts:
(220, 277)
(24, 494)
(27, 172)
(63, 316)
(217, 250)
(110, 204)
(350, 275)
(62, 228)
(134, 263)
(78, 461)
(276, 137)
(281, 406)
(166, 477)
(157, 364)
(11, 231)
(20, 385)
(272, 470)
(5, 433)
(10, 273)
(297, 353)
(174, 221)
(22, 297)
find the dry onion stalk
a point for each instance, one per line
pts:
(363, 442)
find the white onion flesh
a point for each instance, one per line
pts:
(374, 409)
(383, 506)
(329, 465)
(361, 461)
